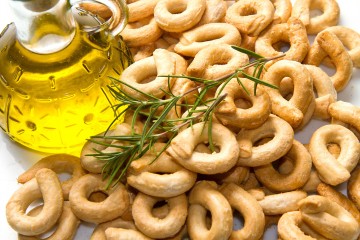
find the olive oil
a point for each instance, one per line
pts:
(54, 102)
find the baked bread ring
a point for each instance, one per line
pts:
(228, 111)
(292, 32)
(216, 61)
(139, 75)
(244, 203)
(353, 187)
(45, 185)
(249, 16)
(192, 41)
(124, 234)
(329, 17)
(335, 196)
(282, 140)
(97, 212)
(59, 163)
(325, 91)
(248, 42)
(91, 163)
(66, 228)
(350, 39)
(289, 227)
(282, 12)
(235, 175)
(328, 218)
(327, 44)
(346, 113)
(142, 32)
(334, 170)
(214, 12)
(141, 9)
(155, 227)
(182, 149)
(179, 15)
(281, 203)
(162, 178)
(291, 110)
(99, 231)
(205, 197)
(295, 179)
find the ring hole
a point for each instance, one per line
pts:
(205, 148)
(248, 11)
(334, 149)
(63, 176)
(284, 165)
(238, 221)
(98, 196)
(286, 88)
(263, 140)
(160, 209)
(177, 8)
(281, 46)
(208, 219)
(243, 103)
(329, 70)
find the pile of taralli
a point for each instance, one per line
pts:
(258, 169)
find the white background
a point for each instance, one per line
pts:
(14, 159)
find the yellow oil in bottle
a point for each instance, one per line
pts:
(54, 102)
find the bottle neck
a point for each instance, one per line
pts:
(43, 26)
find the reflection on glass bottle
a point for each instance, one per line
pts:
(53, 100)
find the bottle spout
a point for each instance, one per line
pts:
(43, 26)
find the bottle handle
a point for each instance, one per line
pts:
(116, 23)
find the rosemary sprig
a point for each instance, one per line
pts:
(156, 110)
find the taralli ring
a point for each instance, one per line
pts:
(135, 76)
(216, 61)
(281, 134)
(346, 113)
(327, 44)
(335, 196)
(99, 231)
(282, 12)
(59, 163)
(214, 12)
(350, 39)
(330, 17)
(141, 9)
(289, 227)
(45, 185)
(293, 32)
(124, 234)
(294, 109)
(142, 32)
(192, 41)
(325, 91)
(182, 149)
(295, 179)
(243, 202)
(328, 218)
(249, 117)
(281, 203)
(155, 227)
(97, 212)
(179, 15)
(66, 228)
(146, 176)
(249, 16)
(353, 187)
(334, 170)
(205, 197)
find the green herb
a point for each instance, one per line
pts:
(156, 110)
